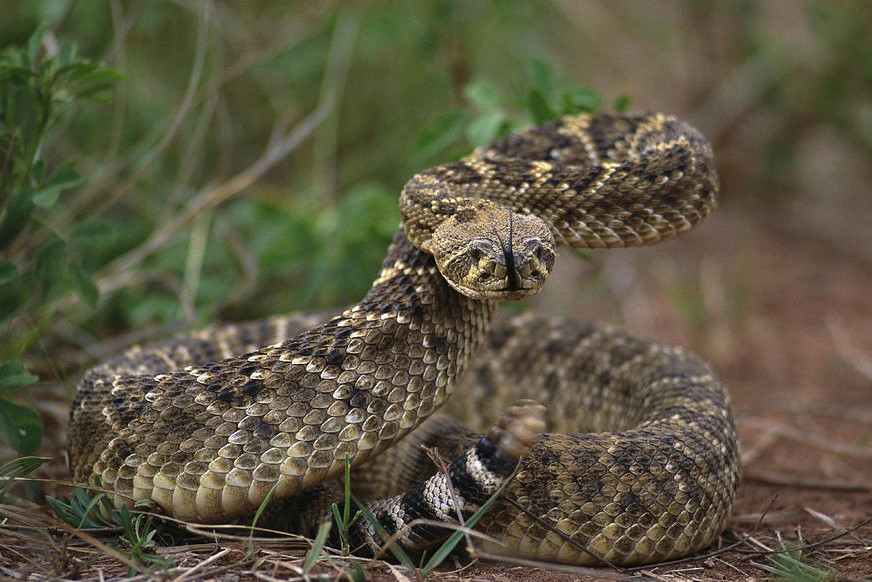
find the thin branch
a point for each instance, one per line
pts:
(756, 449)
(69, 5)
(598, 573)
(804, 482)
(120, 271)
(120, 28)
(178, 118)
(847, 349)
(197, 244)
(824, 442)
(333, 87)
(6, 170)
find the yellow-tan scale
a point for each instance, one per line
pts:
(209, 442)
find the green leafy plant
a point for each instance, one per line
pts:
(39, 264)
(789, 564)
(96, 512)
(429, 564)
(491, 112)
(85, 511)
(317, 546)
(20, 426)
(344, 520)
(19, 467)
(139, 534)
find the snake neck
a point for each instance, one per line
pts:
(348, 387)
(411, 298)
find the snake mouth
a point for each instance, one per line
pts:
(503, 293)
(492, 253)
(500, 272)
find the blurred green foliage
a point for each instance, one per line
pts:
(249, 160)
(790, 75)
(39, 263)
(225, 175)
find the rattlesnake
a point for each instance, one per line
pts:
(208, 425)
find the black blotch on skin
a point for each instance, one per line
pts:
(358, 398)
(264, 431)
(127, 411)
(252, 387)
(248, 369)
(335, 357)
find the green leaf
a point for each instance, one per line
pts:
(37, 171)
(440, 134)
(539, 107)
(34, 44)
(73, 70)
(621, 103)
(14, 375)
(66, 54)
(483, 95)
(93, 81)
(8, 271)
(581, 99)
(50, 260)
(64, 179)
(20, 205)
(83, 511)
(262, 507)
(541, 75)
(93, 233)
(317, 547)
(83, 284)
(20, 426)
(17, 215)
(22, 466)
(19, 74)
(486, 128)
(14, 295)
(583, 254)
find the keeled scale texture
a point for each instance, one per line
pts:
(645, 467)
(208, 442)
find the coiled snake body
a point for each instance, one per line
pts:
(207, 435)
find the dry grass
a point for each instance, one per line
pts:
(805, 500)
(803, 509)
(36, 545)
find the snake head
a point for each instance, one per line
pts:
(487, 252)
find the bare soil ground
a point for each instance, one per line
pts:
(781, 310)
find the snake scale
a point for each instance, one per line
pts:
(640, 463)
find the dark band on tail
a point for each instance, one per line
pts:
(471, 478)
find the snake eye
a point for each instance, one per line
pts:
(543, 254)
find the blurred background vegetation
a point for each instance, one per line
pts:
(230, 160)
